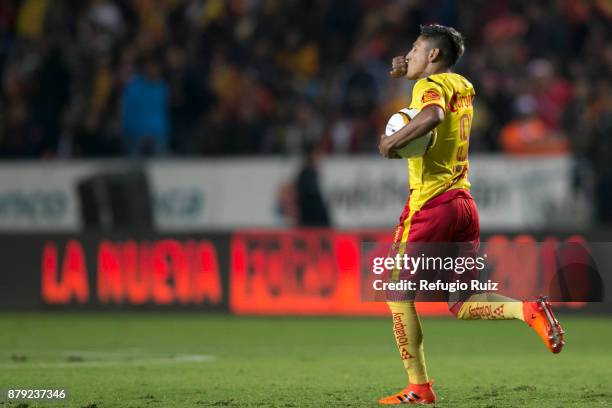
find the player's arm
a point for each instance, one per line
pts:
(423, 123)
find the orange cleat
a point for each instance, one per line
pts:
(538, 315)
(418, 394)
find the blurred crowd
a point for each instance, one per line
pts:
(90, 78)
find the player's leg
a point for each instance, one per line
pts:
(407, 328)
(537, 314)
(409, 339)
(492, 306)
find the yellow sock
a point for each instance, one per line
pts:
(491, 306)
(409, 339)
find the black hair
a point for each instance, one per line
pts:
(448, 40)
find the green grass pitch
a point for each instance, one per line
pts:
(198, 360)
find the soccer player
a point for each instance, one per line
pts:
(440, 207)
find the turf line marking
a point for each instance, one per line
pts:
(129, 361)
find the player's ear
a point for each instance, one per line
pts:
(434, 54)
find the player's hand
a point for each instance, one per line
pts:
(399, 67)
(385, 147)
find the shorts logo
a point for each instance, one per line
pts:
(398, 231)
(430, 95)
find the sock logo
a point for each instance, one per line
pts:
(480, 311)
(498, 313)
(485, 312)
(405, 354)
(399, 330)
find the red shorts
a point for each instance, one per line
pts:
(450, 218)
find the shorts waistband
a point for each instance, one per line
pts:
(446, 197)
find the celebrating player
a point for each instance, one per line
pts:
(440, 207)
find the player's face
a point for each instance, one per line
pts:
(417, 58)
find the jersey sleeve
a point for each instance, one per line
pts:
(428, 92)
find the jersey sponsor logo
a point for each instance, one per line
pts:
(430, 95)
(460, 101)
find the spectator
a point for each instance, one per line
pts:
(48, 99)
(312, 211)
(529, 134)
(144, 104)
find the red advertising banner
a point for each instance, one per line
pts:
(318, 272)
(159, 272)
(302, 272)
